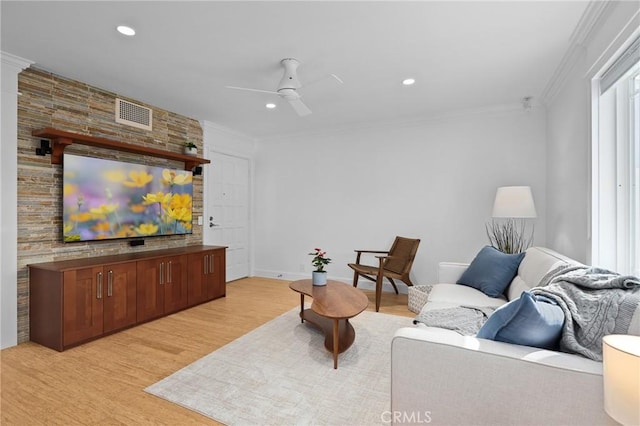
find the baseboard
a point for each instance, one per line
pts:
(362, 283)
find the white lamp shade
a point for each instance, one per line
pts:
(621, 375)
(514, 201)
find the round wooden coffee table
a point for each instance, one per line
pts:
(333, 304)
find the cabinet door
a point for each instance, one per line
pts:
(119, 296)
(175, 283)
(213, 277)
(83, 295)
(149, 289)
(197, 286)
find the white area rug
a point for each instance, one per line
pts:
(281, 374)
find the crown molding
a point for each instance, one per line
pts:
(592, 15)
(623, 40)
(454, 115)
(15, 61)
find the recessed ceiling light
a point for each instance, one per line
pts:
(270, 106)
(408, 81)
(128, 31)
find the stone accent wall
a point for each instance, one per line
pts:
(49, 100)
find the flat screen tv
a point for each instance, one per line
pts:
(106, 199)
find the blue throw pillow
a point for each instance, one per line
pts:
(529, 320)
(491, 271)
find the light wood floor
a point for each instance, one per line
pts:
(102, 382)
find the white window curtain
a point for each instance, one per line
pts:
(616, 165)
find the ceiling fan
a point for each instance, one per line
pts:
(289, 85)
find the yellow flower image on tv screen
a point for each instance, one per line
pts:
(105, 199)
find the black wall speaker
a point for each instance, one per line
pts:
(45, 148)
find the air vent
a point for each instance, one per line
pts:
(133, 114)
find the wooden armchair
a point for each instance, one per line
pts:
(393, 264)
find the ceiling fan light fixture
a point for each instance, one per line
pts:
(408, 81)
(125, 30)
(287, 88)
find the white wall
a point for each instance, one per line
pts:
(358, 189)
(567, 170)
(11, 67)
(569, 133)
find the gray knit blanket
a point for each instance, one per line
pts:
(595, 301)
(466, 320)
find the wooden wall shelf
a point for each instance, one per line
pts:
(60, 139)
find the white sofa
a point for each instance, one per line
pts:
(441, 377)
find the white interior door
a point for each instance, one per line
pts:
(227, 210)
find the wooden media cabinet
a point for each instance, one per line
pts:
(74, 301)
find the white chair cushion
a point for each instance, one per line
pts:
(431, 306)
(516, 288)
(536, 263)
(462, 295)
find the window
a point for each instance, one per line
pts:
(616, 165)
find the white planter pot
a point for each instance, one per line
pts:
(319, 278)
(191, 151)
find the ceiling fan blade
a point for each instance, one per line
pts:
(252, 90)
(324, 77)
(299, 107)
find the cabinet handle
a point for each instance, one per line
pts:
(161, 273)
(169, 272)
(206, 263)
(99, 285)
(110, 283)
(211, 269)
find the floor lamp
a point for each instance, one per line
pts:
(512, 205)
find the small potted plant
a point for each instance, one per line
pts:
(190, 148)
(319, 276)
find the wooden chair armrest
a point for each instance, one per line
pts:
(367, 251)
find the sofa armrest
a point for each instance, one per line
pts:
(455, 380)
(450, 272)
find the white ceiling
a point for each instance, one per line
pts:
(464, 55)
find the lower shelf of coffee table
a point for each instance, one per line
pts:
(346, 333)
